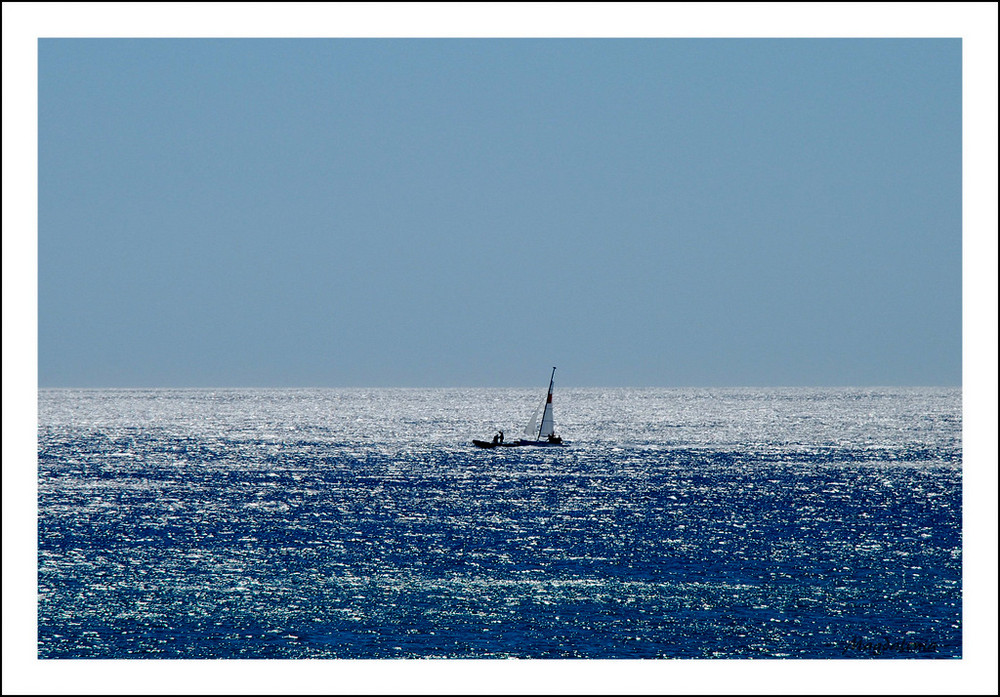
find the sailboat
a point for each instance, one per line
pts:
(535, 433)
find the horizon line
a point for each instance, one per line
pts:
(480, 387)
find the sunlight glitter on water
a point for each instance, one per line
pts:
(360, 523)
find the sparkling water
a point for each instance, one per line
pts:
(354, 523)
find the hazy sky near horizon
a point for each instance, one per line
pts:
(421, 212)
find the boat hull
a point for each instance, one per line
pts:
(489, 444)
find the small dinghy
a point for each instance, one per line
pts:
(535, 434)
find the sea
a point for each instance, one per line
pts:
(742, 523)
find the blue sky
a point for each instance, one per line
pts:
(468, 212)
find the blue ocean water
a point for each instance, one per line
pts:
(353, 523)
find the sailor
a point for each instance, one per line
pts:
(496, 438)
(501, 436)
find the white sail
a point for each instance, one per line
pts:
(548, 427)
(531, 430)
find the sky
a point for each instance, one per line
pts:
(463, 212)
